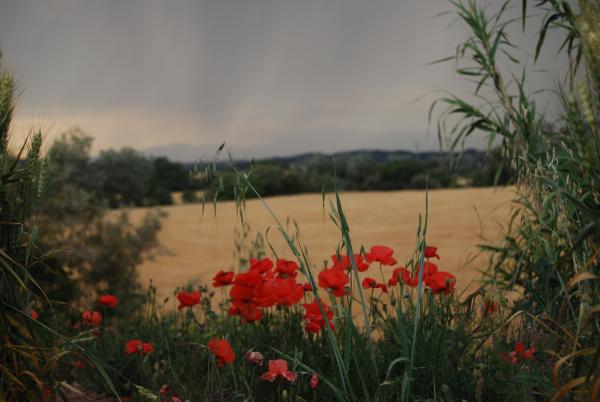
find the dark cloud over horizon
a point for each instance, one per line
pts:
(270, 76)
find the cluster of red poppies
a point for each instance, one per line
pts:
(335, 278)
(165, 392)
(225, 355)
(94, 318)
(222, 350)
(314, 319)
(437, 281)
(134, 346)
(278, 368)
(519, 354)
(265, 284)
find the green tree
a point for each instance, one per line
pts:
(126, 176)
(170, 175)
(100, 249)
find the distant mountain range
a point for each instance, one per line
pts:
(189, 154)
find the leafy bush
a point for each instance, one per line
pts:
(95, 250)
(190, 196)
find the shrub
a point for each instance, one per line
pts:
(190, 196)
(96, 250)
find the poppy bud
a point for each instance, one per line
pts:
(314, 381)
(255, 358)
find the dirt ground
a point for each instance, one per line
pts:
(197, 245)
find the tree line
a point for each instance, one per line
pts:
(364, 171)
(129, 178)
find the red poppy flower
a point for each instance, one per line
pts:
(524, 354)
(34, 314)
(47, 393)
(243, 303)
(255, 358)
(223, 278)
(431, 252)
(271, 289)
(79, 364)
(147, 347)
(335, 280)
(429, 269)
(382, 254)
(292, 297)
(260, 266)
(137, 346)
(132, 346)
(242, 294)
(315, 321)
(266, 294)
(314, 327)
(343, 263)
(314, 381)
(509, 358)
(281, 291)
(402, 274)
(520, 353)
(489, 308)
(91, 318)
(222, 351)
(109, 300)
(286, 269)
(188, 299)
(370, 283)
(307, 287)
(278, 368)
(250, 313)
(250, 279)
(441, 282)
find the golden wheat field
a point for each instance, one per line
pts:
(196, 245)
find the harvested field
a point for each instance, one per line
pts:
(199, 245)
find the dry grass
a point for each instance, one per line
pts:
(199, 245)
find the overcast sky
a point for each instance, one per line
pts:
(269, 77)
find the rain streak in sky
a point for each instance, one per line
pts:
(268, 77)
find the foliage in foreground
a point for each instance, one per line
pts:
(25, 364)
(417, 341)
(551, 249)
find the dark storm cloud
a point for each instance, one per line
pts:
(270, 76)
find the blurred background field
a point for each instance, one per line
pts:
(196, 245)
